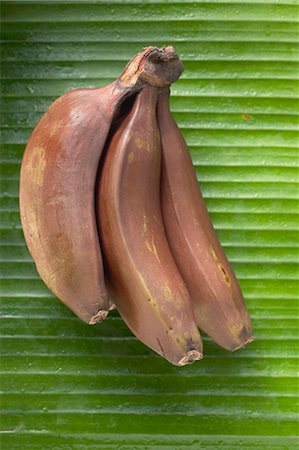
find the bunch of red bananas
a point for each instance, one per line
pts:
(113, 215)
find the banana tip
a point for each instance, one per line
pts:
(246, 342)
(99, 317)
(190, 357)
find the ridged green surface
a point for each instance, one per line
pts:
(70, 386)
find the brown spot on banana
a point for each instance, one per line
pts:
(131, 157)
(151, 246)
(144, 224)
(140, 143)
(167, 292)
(221, 268)
(225, 275)
(162, 351)
(36, 165)
(213, 253)
(30, 219)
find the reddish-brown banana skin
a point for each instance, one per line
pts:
(146, 286)
(217, 299)
(56, 197)
(57, 183)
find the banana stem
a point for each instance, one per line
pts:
(158, 67)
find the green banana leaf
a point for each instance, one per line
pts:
(67, 385)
